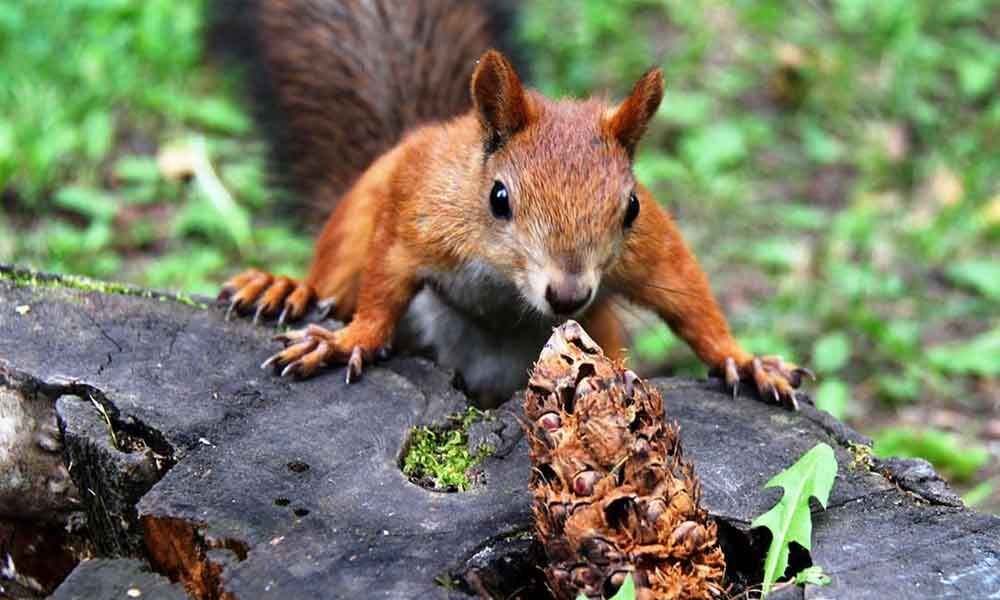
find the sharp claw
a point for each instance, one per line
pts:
(793, 401)
(354, 365)
(256, 315)
(326, 308)
(234, 305)
(774, 392)
(804, 371)
(284, 314)
(291, 368)
(270, 362)
(732, 375)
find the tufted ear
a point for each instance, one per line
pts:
(500, 99)
(628, 121)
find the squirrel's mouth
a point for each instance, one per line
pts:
(549, 305)
(561, 294)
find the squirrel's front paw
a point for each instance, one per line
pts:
(773, 377)
(269, 293)
(313, 347)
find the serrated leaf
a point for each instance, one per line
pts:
(813, 575)
(625, 592)
(790, 520)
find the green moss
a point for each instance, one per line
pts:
(27, 278)
(861, 455)
(441, 456)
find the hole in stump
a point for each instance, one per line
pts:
(513, 566)
(297, 466)
(282, 501)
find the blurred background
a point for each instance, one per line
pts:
(835, 164)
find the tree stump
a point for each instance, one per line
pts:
(195, 467)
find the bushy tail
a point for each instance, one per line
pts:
(335, 83)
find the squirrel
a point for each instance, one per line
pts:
(471, 213)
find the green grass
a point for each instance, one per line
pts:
(93, 91)
(836, 167)
(939, 448)
(839, 166)
(838, 172)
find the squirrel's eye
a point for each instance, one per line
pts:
(499, 202)
(632, 211)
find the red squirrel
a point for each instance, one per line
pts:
(480, 228)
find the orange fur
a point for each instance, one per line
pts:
(421, 212)
(603, 324)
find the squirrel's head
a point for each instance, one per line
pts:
(558, 196)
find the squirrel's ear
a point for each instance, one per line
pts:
(500, 100)
(628, 121)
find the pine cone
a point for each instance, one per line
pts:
(612, 492)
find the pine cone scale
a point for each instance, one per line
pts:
(612, 492)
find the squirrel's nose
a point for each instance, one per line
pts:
(567, 295)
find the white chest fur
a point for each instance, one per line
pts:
(474, 321)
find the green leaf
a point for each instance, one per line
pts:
(89, 202)
(979, 494)
(942, 449)
(653, 167)
(98, 131)
(790, 520)
(982, 275)
(775, 253)
(833, 396)
(821, 146)
(625, 592)
(977, 356)
(898, 389)
(686, 108)
(711, 148)
(138, 169)
(215, 113)
(654, 343)
(767, 341)
(831, 352)
(230, 216)
(976, 75)
(799, 216)
(813, 575)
